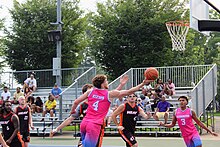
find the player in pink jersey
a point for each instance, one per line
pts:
(99, 99)
(185, 116)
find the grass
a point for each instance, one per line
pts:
(71, 128)
(217, 114)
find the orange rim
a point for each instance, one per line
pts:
(178, 23)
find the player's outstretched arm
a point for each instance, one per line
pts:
(122, 93)
(143, 114)
(118, 111)
(195, 118)
(79, 100)
(172, 124)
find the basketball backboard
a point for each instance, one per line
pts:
(199, 16)
(215, 4)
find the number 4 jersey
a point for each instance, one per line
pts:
(98, 106)
(185, 122)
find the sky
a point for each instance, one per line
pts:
(88, 5)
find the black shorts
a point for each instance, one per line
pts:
(25, 136)
(128, 137)
(16, 144)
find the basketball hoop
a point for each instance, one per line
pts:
(178, 31)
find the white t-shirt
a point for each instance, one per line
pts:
(118, 102)
(148, 87)
(31, 82)
(6, 95)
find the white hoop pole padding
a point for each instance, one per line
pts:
(178, 31)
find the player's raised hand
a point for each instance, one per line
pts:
(124, 79)
(145, 81)
(121, 128)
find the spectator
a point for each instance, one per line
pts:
(30, 102)
(140, 103)
(56, 91)
(162, 110)
(159, 88)
(38, 105)
(31, 83)
(119, 101)
(5, 94)
(147, 103)
(169, 88)
(27, 93)
(148, 107)
(146, 89)
(156, 100)
(17, 94)
(50, 106)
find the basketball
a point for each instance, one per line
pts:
(151, 73)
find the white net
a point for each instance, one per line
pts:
(178, 31)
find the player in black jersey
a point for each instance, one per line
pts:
(10, 126)
(23, 112)
(128, 112)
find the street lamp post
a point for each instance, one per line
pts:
(55, 35)
(58, 76)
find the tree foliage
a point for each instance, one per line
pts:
(27, 39)
(132, 33)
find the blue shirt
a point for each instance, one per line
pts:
(163, 106)
(56, 91)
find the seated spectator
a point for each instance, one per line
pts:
(147, 103)
(140, 103)
(162, 110)
(56, 91)
(17, 94)
(119, 101)
(27, 93)
(30, 102)
(38, 105)
(50, 106)
(5, 94)
(169, 88)
(156, 100)
(31, 83)
(146, 89)
(159, 88)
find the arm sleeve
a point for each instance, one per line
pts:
(77, 114)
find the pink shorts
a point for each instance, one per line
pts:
(91, 134)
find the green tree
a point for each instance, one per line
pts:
(132, 33)
(2, 46)
(27, 39)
